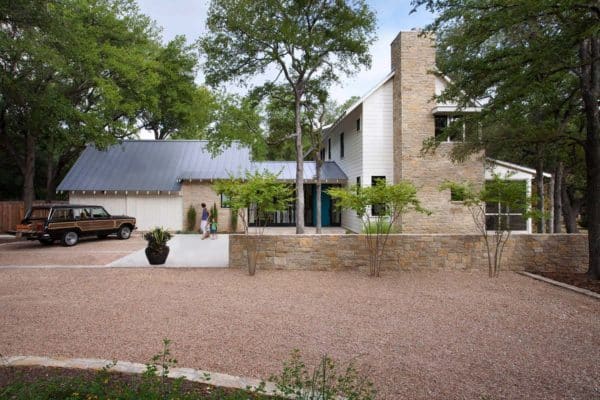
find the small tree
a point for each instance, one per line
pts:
(507, 197)
(258, 192)
(391, 201)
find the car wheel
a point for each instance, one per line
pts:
(70, 238)
(46, 242)
(124, 232)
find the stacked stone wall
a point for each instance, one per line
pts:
(560, 252)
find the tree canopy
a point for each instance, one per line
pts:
(301, 41)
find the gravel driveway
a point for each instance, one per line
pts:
(89, 251)
(443, 335)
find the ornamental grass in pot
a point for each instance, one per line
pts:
(157, 249)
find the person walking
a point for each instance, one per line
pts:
(204, 221)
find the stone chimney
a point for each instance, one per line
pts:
(413, 56)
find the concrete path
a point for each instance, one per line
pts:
(185, 251)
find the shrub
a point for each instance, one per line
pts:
(157, 237)
(324, 382)
(191, 219)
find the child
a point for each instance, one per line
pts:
(213, 229)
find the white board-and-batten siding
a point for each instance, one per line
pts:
(150, 210)
(369, 151)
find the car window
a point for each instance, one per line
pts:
(82, 213)
(99, 212)
(62, 214)
(39, 213)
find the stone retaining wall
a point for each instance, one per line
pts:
(410, 252)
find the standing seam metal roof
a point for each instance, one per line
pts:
(161, 165)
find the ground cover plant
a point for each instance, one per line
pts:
(297, 381)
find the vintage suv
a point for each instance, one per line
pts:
(69, 222)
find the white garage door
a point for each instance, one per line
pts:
(149, 210)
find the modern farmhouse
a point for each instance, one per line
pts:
(379, 137)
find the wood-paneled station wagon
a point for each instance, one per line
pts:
(69, 222)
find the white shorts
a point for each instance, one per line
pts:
(204, 225)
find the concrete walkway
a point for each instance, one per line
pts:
(185, 251)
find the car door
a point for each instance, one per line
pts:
(102, 221)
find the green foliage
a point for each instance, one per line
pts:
(324, 382)
(391, 200)
(259, 190)
(157, 237)
(380, 226)
(236, 119)
(214, 213)
(191, 218)
(151, 385)
(233, 220)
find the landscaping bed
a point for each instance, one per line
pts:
(62, 383)
(580, 280)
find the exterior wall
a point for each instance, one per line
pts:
(560, 252)
(413, 122)
(195, 193)
(352, 162)
(150, 210)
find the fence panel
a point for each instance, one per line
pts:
(12, 212)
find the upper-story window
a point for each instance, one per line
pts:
(329, 148)
(461, 129)
(358, 124)
(323, 154)
(342, 145)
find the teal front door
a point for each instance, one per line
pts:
(325, 206)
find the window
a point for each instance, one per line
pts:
(225, 201)
(329, 148)
(99, 212)
(323, 153)
(499, 215)
(357, 184)
(377, 209)
(457, 134)
(342, 145)
(358, 124)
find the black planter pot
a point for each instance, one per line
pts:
(157, 256)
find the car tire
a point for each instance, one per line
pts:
(124, 232)
(70, 238)
(46, 242)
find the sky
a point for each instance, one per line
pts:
(187, 17)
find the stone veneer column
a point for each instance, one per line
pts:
(413, 59)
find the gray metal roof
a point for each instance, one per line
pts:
(287, 170)
(163, 164)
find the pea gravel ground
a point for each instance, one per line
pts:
(421, 335)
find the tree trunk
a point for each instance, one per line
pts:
(318, 211)
(589, 53)
(558, 183)
(50, 178)
(570, 209)
(29, 171)
(299, 166)
(539, 184)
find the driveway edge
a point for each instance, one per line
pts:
(96, 364)
(560, 284)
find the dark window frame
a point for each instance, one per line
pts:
(342, 149)
(329, 148)
(377, 210)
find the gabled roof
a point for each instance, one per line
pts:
(362, 99)
(163, 164)
(515, 167)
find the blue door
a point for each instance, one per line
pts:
(325, 206)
